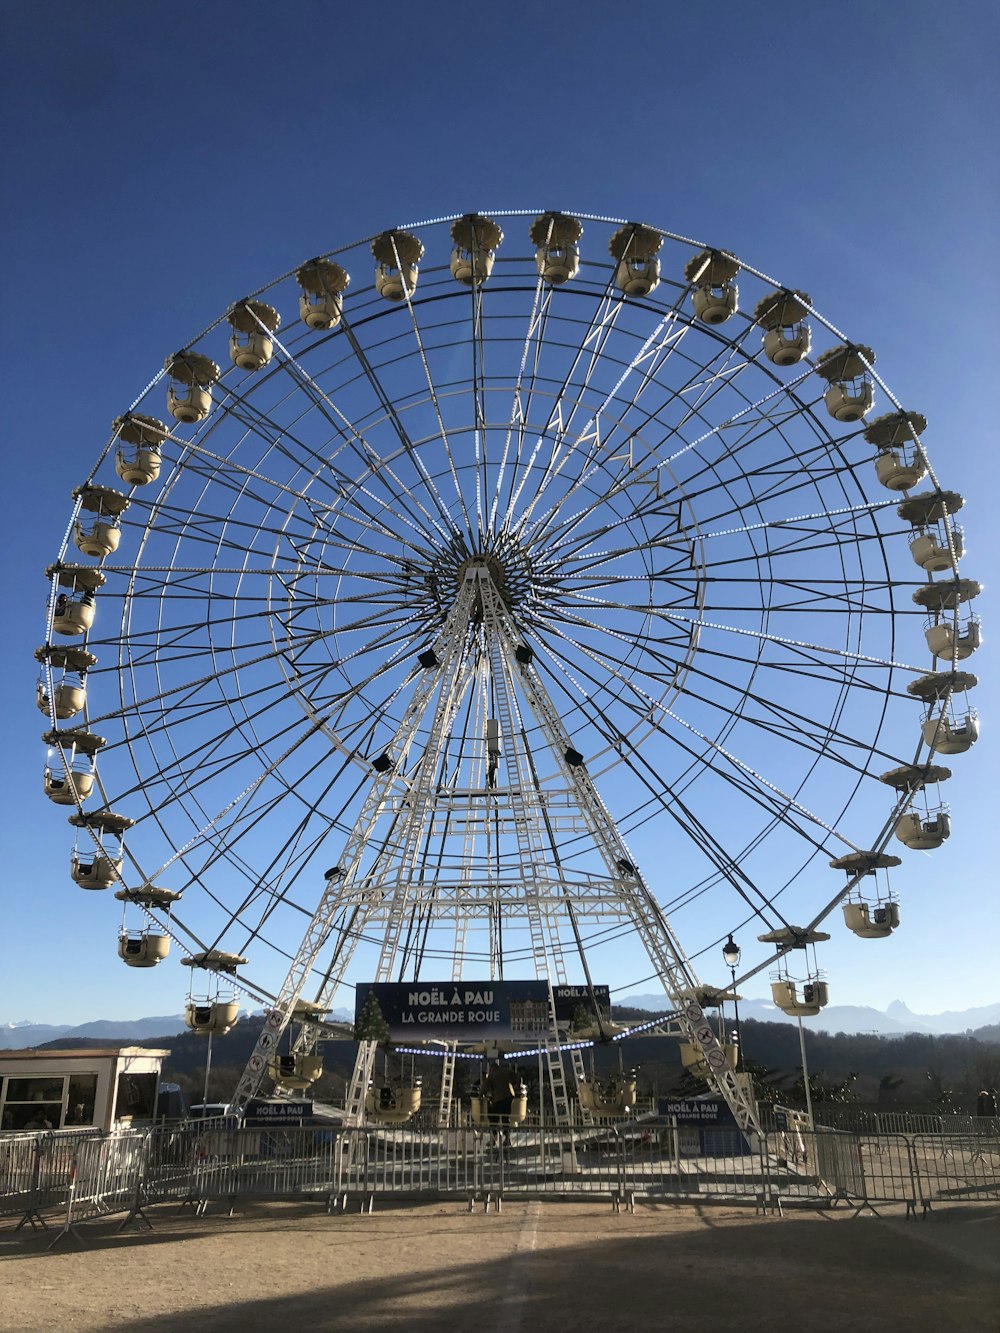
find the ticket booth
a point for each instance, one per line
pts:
(105, 1088)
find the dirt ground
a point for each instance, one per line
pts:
(545, 1267)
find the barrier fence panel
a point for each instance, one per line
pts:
(35, 1171)
(887, 1166)
(91, 1176)
(955, 1169)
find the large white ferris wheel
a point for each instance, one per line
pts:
(479, 620)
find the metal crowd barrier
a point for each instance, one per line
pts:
(35, 1172)
(96, 1176)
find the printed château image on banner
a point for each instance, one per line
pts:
(475, 1010)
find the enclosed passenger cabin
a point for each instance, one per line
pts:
(211, 1016)
(99, 850)
(142, 948)
(480, 1115)
(785, 987)
(397, 255)
(871, 921)
(951, 640)
(923, 832)
(715, 297)
(61, 689)
(937, 544)
(393, 1104)
(948, 634)
(850, 395)
(946, 727)
(138, 455)
(555, 237)
(189, 394)
(787, 338)
(295, 1070)
(323, 283)
(694, 1061)
(76, 597)
(900, 464)
(97, 529)
(70, 779)
(477, 240)
(873, 914)
(251, 344)
(786, 995)
(613, 1097)
(637, 268)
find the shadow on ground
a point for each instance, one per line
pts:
(553, 1268)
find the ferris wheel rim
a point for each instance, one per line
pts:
(219, 653)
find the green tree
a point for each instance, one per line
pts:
(371, 1024)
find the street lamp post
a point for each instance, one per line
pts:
(731, 955)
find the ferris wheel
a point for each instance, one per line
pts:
(530, 593)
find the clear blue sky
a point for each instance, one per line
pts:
(162, 161)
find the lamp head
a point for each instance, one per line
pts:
(731, 952)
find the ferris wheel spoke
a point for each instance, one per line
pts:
(399, 494)
(412, 453)
(600, 441)
(666, 797)
(521, 397)
(400, 500)
(594, 334)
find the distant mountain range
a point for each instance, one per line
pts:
(896, 1020)
(20, 1036)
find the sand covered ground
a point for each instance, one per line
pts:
(545, 1267)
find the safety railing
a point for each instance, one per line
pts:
(96, 1176)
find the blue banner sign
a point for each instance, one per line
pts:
(708, 1114)
(260, 1113)
(471, 1011)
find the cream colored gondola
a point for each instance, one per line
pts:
(216, 1012)
(138, 455)
(189, 394)
(477, 240)
(323, 283)
(76, 597)
(850, 395)
(715, 297)
(210, 1016)
(479, 1111)
(70, 779)
(874, 914)
(68, 668)
(294, 1070)
(950, 641)
(693, 1058)
(97, 529)
(946, 728)
(787, 338)
(393, 1103)
(637, 270)
(99, 852)
(397, 255)
(251, 344)
(556, 237)
(142, 948)
(901, 463)
(785, 988)
(613, 1097)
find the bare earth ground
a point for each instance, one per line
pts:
(541, 1267)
